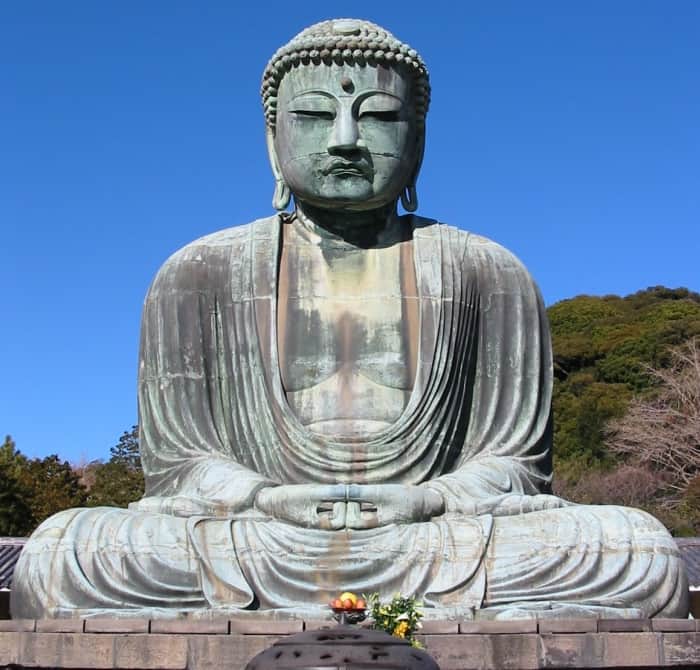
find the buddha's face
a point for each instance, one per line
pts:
(346, 135)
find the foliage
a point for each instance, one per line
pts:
(611, 355)
(400, 617)
(31, 490)
(613, 336)
(52, 485)
(662, 430)
(119, 481)
(115, 486)
(604, 348)
(661, 433)
(126, 451)
(14, 510)
(582, 406)
(626, 484)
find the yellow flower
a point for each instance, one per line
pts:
(401, 629)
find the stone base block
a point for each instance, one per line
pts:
(139, 644)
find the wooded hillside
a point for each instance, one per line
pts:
(610, 354)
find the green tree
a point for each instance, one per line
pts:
(603, 350)
(126, 451)
(119, 481)
(52, 486)
(31, 490)
(15, 514)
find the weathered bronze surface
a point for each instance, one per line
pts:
(342, 397)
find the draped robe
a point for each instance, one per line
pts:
(216, 428)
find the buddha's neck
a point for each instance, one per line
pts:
(379, 227)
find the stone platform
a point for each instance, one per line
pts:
(222, 644)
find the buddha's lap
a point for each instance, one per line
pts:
(529, 544)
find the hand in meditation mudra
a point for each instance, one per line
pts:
(341, 397)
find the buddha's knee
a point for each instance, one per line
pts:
(84, 559)
(38, 563)
(51, 536)
(635, 525)
(652, 552)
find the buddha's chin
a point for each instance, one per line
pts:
(349, 192)
(337, 200)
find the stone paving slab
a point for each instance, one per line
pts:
(183, 626)
(117, 625)
(60, 625)
(498, 627)
(558, 626)
(624, 625)
(673, 625)
(17, 625)
(262, 627)
(438, 627)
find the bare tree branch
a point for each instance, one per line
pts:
(663, 431)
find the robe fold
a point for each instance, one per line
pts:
(216, 428)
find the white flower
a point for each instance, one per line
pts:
(402, 617)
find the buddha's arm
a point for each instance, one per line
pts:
(491, 485)
(507, 449)
(188, 440)
(207, 486)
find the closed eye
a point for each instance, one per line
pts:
(381, 116)
(317, 114)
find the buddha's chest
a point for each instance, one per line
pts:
(347, 331)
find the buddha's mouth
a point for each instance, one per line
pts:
(347, 169)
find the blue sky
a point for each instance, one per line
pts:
(567, 131)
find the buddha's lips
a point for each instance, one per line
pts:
(348, 168)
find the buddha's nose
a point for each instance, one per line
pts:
(345, 136)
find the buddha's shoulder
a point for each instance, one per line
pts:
(197, 263)
(222, 243)
(472, 247)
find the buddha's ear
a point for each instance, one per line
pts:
(409, 196)
(420, 151)
(282, 194)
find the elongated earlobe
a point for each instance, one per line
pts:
(282, 195)
(409, 198)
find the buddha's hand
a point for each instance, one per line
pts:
(375, 505)
(320, 506)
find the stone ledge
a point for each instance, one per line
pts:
(196, 649)
(267, 626)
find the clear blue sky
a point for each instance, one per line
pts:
(567, 131)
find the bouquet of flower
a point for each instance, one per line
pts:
(400, 617)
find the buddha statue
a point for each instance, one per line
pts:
(340, 397)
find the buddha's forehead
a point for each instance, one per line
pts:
(344, 80)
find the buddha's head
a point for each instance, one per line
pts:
(345, 105)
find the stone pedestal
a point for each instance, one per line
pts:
(223, 644)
